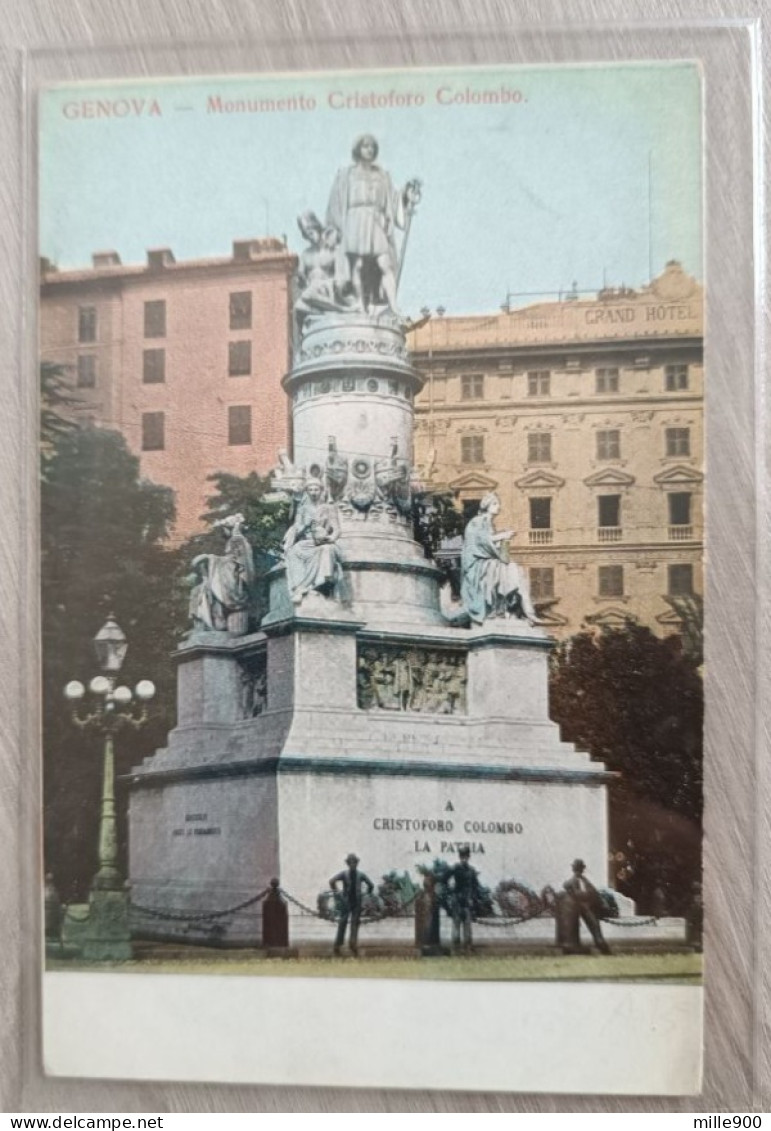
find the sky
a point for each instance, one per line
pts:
(589, 174)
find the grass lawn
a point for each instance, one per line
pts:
(679, 967)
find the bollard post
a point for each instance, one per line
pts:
(428, 940)
(53, 916)
(275, 924)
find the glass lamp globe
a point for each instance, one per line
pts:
(99, 685)
(111, 646)
(122, 695)
(145, 689)
(74, 690)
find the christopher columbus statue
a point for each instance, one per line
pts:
(365, 209)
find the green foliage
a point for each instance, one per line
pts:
(434, 519)
(635, 702)
(101, 551)
(57, 399)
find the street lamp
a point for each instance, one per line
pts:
(106, 931)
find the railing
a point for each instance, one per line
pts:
(680, 533)
(608, 533)
(540, 537)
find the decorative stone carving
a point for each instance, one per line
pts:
(287, 479)
(356, 347)
(403, 678)
(254, 685)
(221, 583)
(336, 471)
(316, 283)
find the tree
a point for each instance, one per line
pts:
(56, 402)
(438, 527)
(102, 551)
(635, 702)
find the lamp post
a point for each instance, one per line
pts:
(105, 933)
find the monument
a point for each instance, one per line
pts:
(359, 717)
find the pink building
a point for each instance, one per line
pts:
(185, 359)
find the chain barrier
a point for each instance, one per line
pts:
(364, 918)
(619, 922)
(178, 917)
(306, 910)
(496, 921)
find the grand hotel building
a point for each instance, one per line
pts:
(585, 416)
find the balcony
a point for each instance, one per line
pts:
(540, 537)
(608, 533)
(681, 533)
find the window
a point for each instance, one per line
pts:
(679, 503)
(675, 378)
(541, 582)
(87, 371)
(609, 444)
(609, 510)
(240, 424)
(87, 324)
(680, 580)
(472, 386)
(153, 431)
(539, 447)
(239, 359)
(472, 449)
(610, 581)
(678, 441)
(154, 367)
(607, 380)
(540, 514)
(155, 319)
(470, 509)
(539, 383)
(241, 310)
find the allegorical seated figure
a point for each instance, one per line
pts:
(491, 586)
(312, 555)
(219, 599)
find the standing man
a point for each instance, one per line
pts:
(582, 902)
(463, 886)
(351, 881)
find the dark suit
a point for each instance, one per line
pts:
(463, 882)
(582, 902)
(352, 881)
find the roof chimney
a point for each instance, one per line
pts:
(160, 257)
(102, 259)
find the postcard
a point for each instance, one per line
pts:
(372, 557)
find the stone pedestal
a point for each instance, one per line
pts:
(237, 798)
(98, 931)
(362, 722)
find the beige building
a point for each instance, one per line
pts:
(586, 417)
(185, 359)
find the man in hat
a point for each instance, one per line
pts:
(582, 901)
(351, 882)
(463, 885)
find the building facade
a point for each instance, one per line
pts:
(184, 359)
(585, 416)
